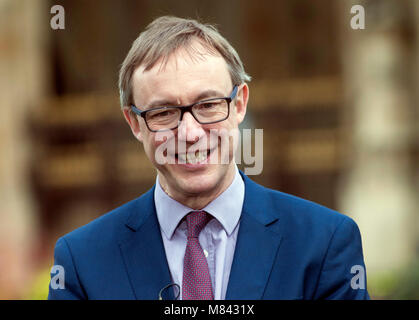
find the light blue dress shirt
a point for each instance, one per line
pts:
(217, 239)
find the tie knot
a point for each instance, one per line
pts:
(196, 221)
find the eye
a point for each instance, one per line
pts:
(208, 105)
(162, 114)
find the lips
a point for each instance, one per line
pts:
(198, 156)
(192, 158)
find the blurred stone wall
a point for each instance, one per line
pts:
(23, 82)
(379, 189)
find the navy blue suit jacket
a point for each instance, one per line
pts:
(287, 248)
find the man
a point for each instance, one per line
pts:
(205, 230)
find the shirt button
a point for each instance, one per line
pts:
(205, 253)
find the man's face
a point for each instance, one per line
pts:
(183, 81)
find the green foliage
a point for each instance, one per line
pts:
(39, 288)
(408, 285)
(396, 285)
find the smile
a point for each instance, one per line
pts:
(199, 156)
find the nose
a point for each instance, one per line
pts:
(189, 129)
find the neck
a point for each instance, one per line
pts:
(198, 201)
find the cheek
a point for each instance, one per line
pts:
(231, 122)
(234, 118)
(149, 144)
(155, 146)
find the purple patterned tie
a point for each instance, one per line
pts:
(196, 283)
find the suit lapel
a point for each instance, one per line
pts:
(258, 241)
(143, 251)
(257, 245)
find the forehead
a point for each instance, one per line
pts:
(183, 75)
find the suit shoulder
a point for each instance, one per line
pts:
(105, 226)
(299, 218)
(293, 207)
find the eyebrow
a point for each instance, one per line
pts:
(207, 94)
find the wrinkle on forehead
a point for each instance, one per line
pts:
(194, 52)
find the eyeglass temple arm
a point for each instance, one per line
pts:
(233, 94)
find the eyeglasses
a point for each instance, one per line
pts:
(205, 112)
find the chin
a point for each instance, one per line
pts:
(198, 183)
(207, 180)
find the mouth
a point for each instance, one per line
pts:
(199, 156)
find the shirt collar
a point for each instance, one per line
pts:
(226, 208)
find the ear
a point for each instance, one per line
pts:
(241, 102)
(133, 122)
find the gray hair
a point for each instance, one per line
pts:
(164, 36)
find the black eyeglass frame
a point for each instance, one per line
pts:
(188, 108)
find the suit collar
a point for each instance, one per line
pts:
(257, 203)
(142, 208)
(257, 244)
(143, 251)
